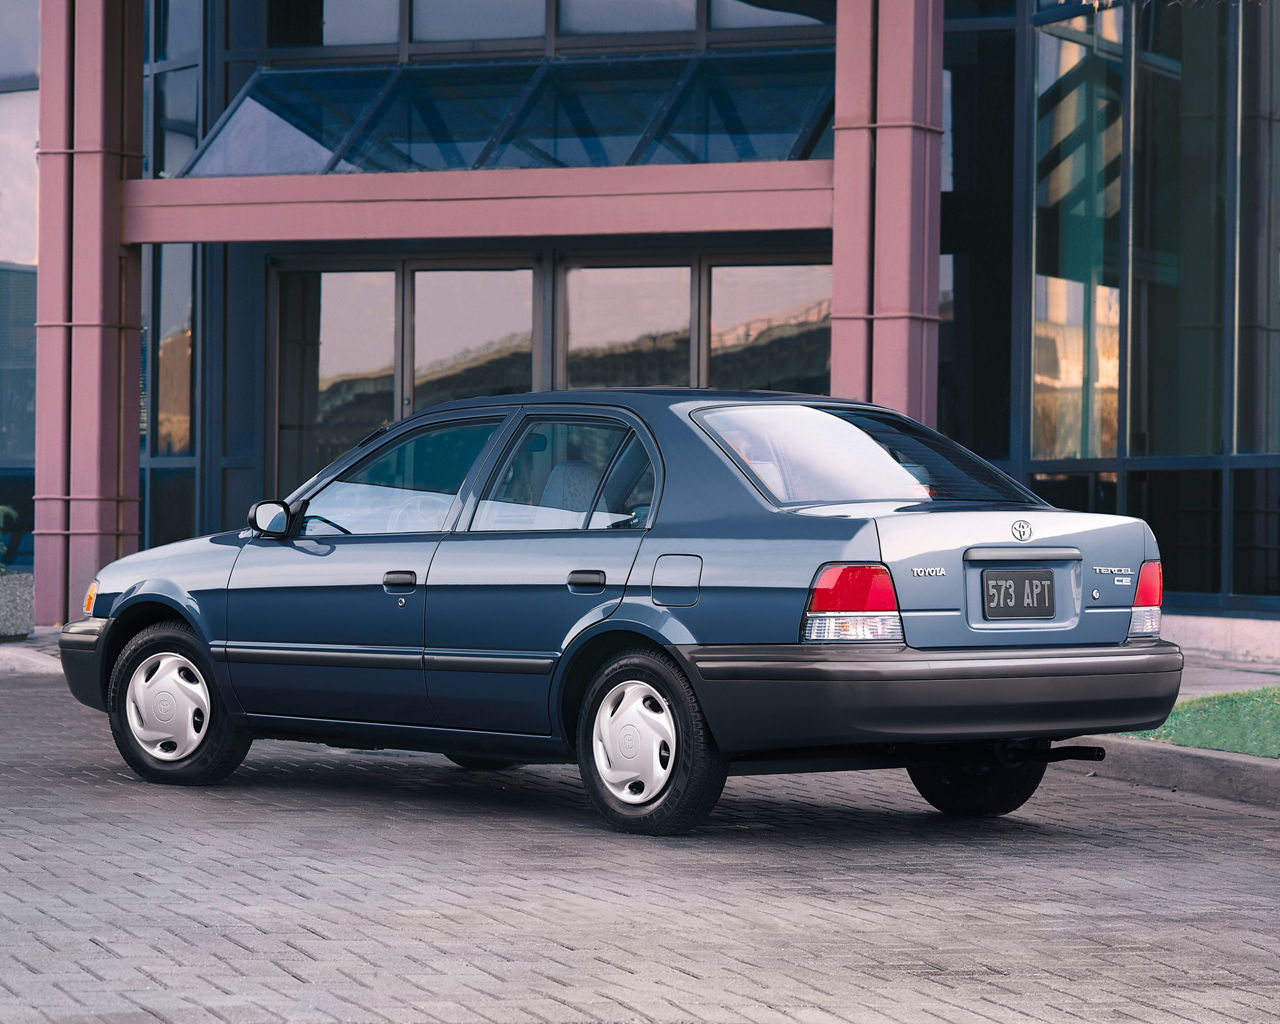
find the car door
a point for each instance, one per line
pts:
(328, 622)
(551, 541)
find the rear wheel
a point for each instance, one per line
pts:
(977, 791)
(646, 756)
(166, 718)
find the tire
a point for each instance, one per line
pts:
(977, 791)
(646, 756)
(483, 762)
(166, 716)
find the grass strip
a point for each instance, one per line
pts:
(1246, 722)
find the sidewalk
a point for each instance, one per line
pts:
(1214, 773)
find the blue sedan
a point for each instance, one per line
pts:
(667, 586)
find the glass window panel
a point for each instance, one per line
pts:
(976, 269)
(144, 351)
(771, 13)
(19, 38)
(627, 494)
(172, 505)
(448, 20)
(178, 108)
(438, 119)
(610, 16)
(19, 127)
(17, 413)
(337, 343)
(332, 22)
(289, 123)
(1075, 353)
(1184, 510)
(172, 375)
(1080, 492)
(589, 115)
(978, 8)
(627, 326)
(549, 479)
(1180, 119)
(1258, 354)
(771, 328)
(244, 24)
(746, 108)
(1257, 531)
(472, 334)
(148, 133)
(178, 33)
(408, 488)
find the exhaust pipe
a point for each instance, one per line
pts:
(1062, 754)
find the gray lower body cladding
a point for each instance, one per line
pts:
(790, 696)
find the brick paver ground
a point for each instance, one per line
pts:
(321, 885)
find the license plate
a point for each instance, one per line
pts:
(1017, 593)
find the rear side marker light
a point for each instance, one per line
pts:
(853, 603)
(1144, 620)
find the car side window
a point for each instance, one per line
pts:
(408, 487)
(627, 495)
(550, 478)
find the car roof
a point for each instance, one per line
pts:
(638, 399)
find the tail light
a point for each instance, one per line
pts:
(853, 603)
(1144, 620)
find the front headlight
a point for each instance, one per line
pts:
(89, 595)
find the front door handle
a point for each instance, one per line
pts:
(399, 579)
(587, 580)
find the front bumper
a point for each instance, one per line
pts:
(80, 647)
(760, 698)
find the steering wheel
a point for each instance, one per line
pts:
(423, 513)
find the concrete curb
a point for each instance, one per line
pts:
(19, 659)
(1250, 780)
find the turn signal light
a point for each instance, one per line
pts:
(853, 603)
(90, 594)
(1144, 620)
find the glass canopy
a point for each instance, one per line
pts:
(557, 112)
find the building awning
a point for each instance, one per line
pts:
(709, 107)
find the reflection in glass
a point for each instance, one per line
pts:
(1079, 492)
(177, 105)
(627, 326)
(589, 114)
(17, 413)
(1256, 548)
(1184, 510)
(172, 376)
(332, 23)
(1258, 356)
(178, 31)
(976, 270)
(438, 119)
(770, 14)
(610, 16)
(448, 20)
(336, 365)
(472, 334)
(1179, 160)
(172, 505)
(289, 123)
(19, 120)
(748, 108)
(20, 38)
(1075, 348)
(771, 328)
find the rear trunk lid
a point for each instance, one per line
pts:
(1011, 575)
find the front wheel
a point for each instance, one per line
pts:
(166, 718)
(646, 756)
(977, 791)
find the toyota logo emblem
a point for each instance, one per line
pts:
(1021, 530)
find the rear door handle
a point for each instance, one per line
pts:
(587, 579)
(399, 579)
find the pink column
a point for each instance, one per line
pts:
(87, 381)
(886, 234)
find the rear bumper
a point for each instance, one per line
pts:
(80, 647)
(789, 696)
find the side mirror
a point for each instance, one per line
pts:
(270, 518)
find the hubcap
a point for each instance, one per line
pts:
(634, 741)
(168, 706)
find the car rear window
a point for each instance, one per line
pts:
(802, 454)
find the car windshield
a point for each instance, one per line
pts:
(802, 454)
